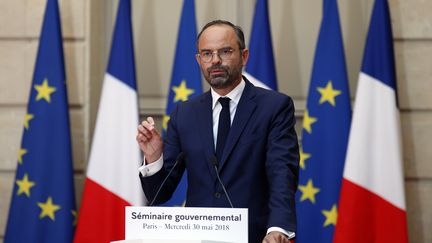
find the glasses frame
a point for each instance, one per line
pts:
(219, 53)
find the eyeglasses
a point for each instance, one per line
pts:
(223, 54)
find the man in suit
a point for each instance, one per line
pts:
(248, 135)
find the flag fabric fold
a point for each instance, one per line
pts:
(43, 200)
(372, 201)
(112, 180)
(260, 68)
(185, 80)
(326, 124)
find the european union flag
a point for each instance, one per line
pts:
(185, 79)
(326, 124)
(43, 201)
(260, 68)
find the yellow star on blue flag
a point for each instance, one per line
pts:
(328, 94)
(44, 91)
(48, 209)
(24, 185)
(182, 92)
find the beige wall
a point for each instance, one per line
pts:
(87, 27)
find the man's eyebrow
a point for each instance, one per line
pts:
(222, 48)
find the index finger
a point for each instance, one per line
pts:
(149, 124)
(150, 120)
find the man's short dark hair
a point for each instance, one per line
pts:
(237, 29)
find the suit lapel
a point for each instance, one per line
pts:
(205, 124)
(244, 110)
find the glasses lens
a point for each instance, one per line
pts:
(206, 56)
(225, 53)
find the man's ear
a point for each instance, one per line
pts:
(198, 59)
(245, 56)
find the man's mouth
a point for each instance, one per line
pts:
(216, 72)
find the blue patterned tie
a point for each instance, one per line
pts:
(224, 127)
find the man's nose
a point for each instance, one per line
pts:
(215, 58)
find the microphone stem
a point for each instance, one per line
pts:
(166, 178)
(223, 187)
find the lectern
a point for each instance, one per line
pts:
(185, 224)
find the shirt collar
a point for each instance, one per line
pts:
(234, 95)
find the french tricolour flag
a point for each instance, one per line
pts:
(372, 201)
(112, 177)
(260, 69)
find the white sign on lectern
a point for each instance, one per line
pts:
(187, 223)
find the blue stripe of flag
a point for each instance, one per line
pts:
(378, 60)
(122, 60)
(261, 63)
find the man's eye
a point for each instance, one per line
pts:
(206, 54)
(226, 51)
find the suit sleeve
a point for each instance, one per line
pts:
(282, 167)
(172, 148)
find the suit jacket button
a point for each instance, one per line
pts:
(217, 195)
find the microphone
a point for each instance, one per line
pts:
(215, 163)
(180, 157)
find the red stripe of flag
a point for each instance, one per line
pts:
(374, 218)
(101, 216)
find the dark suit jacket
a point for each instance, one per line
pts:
(259, 166)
